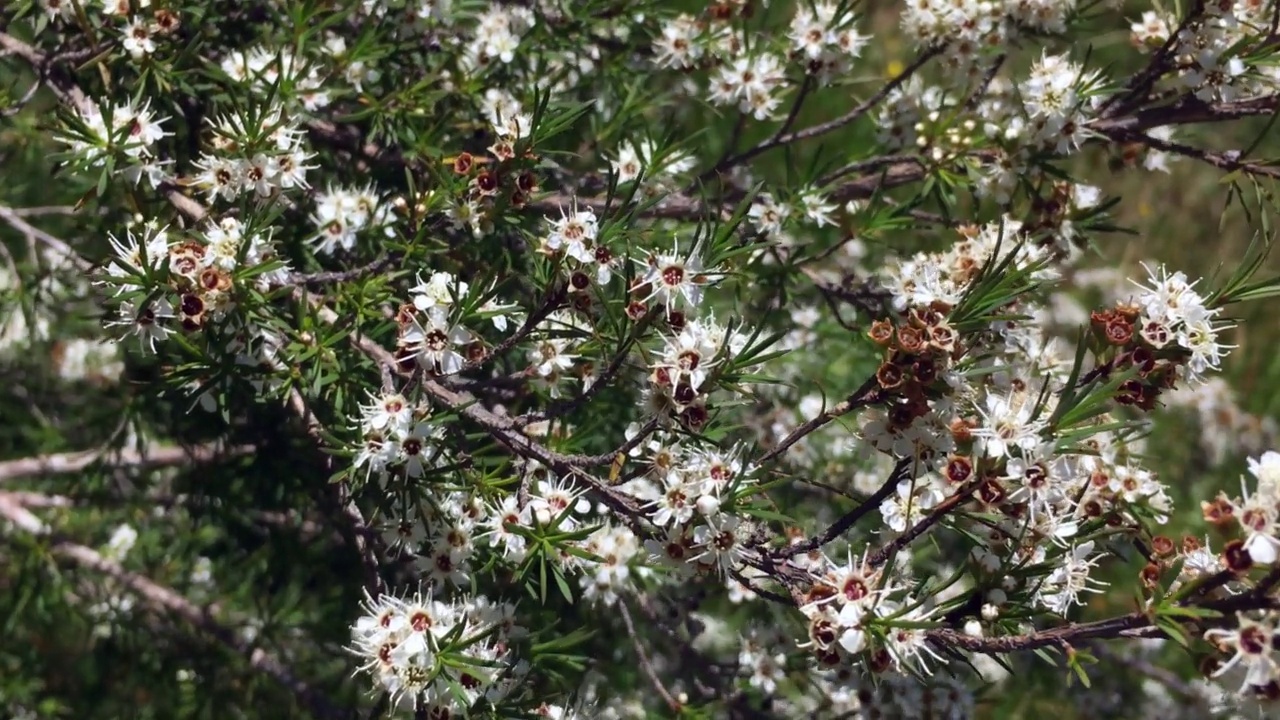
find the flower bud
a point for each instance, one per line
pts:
(708, 505)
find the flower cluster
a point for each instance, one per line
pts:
(263, 155)
(127, 131)
(343, 213)
(435, 656)
(786, 374)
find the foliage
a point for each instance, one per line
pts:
(614, 359)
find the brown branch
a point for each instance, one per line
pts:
(860, 398)
(505, 429)
(355, 530)
(331, 277)
(1188, 110)
(1228, 161)
(74, 462)
(881, 556)
(162, 599)
(14, 217)
(831, 125)
(852, 517)
(1136, 624)
(1139, 86)
(645, 664)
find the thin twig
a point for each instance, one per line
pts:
(852, 517)
(832, 125)
(645, 665)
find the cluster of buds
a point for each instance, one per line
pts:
(199, 275)
(201, 289)
(1193, 561)
(943, 141)
(499, 175)
(1143, 347)
(916, 352)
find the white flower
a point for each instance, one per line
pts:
(1250, 643)
(1007, 425)
(436, 342)
(137, 38)
(121, 542)
(674, 280)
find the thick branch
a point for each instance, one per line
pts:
(162, 599)
(73, 462)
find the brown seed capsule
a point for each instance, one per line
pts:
(1209, 665)
(1162, 546)
(910, 340)
(1128, 312)
(694, 417)
(1130, 392)
(637, 310)
(1143, 359)
(486, 183)
(191, 305)
(463, 163)
(818, 593)
(1218, 512)
(890, 376)
(828, 658)
(943, 338)
(1190, 544)
(1118, 332)
(880, 661)
(166, 21)
(991, 492)
(881, 332)
(684, 394)
(959, 469)
(924, 371)
(1235, 557)
(213, 279)
(721, 11)
(1150, 575)
(661, 376)
(502, 151)
(962, 430)
(901, 416)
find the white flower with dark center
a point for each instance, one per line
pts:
(418, 448)
(1007, 425)
(441, 290)
(575, 232)
(1251, 644)
(436, 342)
(551, 500)
(674, 280)
(389, 412)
